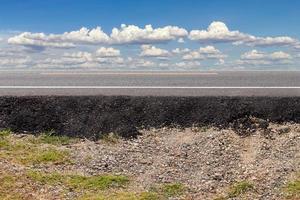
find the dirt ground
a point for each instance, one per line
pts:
(168, 163)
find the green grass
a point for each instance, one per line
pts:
(110, 138)
(24, 152)
(122, 196)
(49, 178)
(5, 133)
(51, 138)
(292, 190)
(48, 156)
(240, 188)
(100, 182)
(172, 189)
(97, 182)
(4, 144)
(7, 185)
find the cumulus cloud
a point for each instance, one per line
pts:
(152, 51)
(180, 51)
(180, 40)
(208, 52)
(15, 62)
(65, 40)
(190, 64)
(108, 52)
(38, 40)
(125, 35)
(255, 57)
(219, 32)
(133, 34)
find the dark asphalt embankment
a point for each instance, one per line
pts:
(93, 116)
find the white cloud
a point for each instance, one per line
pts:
(194, 55)
(255, 57)
(219, 32)
(65, 40)
(15, 62)
(191, 64)
(148, 35)
(180, 40)
(180, 51)
(125, 35)
(164, 65)
(108, 52)
(208, 52)
(280, 55)
(38, 40)
(152, 51)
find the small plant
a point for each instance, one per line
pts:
(49, 178)
(51, 138)
(169, 190)
(49, 155)
(121, 196)
(100, 182)
(292, 190)
(97, 182)
(148, 196)
(4, 144)
(7, 184)
(239, 189)
(111, 138)
(5, 133)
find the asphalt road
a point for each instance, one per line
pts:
(254, 83)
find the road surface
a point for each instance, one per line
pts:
(229, 83)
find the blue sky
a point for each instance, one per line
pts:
(274, 24)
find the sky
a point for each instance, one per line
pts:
(150, 35)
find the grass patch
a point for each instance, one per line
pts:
(97, 182)
(51, 138)
(122, 196)
(110, 138)
(292, 190)
(24, 152)
(5, 133)
(100, 182)
(4, 144)
(240, 188)
(170, 190)
(49, 178)
(7, 185)
(48, 156)
(173, 189)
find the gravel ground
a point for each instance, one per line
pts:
(208, 161)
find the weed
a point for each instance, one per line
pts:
(239, 189)
(100, 182)
(7, 184)
(122, 196)
(51, 138)
(110, 138)
(97, 182)
(5, 133)
(173, 189)
(292, 189)
(49, 178)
